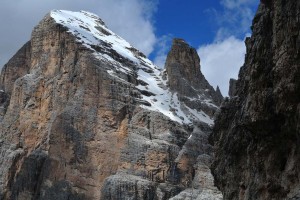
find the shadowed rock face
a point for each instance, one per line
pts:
(185, 78)
(75, 126)
(16, 67)
(256, 135)
(232, 87)
(183, 64)
(184, 75)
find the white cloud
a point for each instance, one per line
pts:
(131, 19)
(235, 19)
(229, 4)
(162, 47)
(232, 4)
(221, 61)
(160, 60)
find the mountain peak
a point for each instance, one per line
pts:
(184, 62)
(179, 42)
(185, 76)
(92, 32)
(97, 116)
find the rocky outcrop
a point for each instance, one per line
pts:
(218, 95)
(185, 78)
(4, 101)
(183, 68)
(16, 67)
(160, 159)
(85, 118)
(202, 186)
(232, 87)
(256, 135)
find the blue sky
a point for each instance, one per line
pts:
(193, 21)
(199, 21)
(216, 28)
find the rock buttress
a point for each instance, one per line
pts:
(16, 67)
(185, 78)
(69, 113)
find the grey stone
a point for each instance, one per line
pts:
(232, 87)
(256, 134)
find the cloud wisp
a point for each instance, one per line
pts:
(235, 19)
(221, 61)
(131, 19)
(162, 49)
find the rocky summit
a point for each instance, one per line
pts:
(85, 115)
(256, 135)
(186, 79)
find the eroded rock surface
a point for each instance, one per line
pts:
(185, 78)
(16, 67)
(89, 117)
(257, 133)
(232, 87)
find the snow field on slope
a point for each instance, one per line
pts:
(89, 29)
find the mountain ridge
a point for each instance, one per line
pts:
(88, 120)
(84, 29)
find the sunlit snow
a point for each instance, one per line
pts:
(90, 30)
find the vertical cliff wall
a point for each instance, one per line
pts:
(49, 133)
(256, 135)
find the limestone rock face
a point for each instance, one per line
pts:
(256, 134)
(183, 66)
(16, 67)
(84, 118)
(218, 95)
(185, 78)
(4, 101)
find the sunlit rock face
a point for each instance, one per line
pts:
(256, 134)
(84, 115)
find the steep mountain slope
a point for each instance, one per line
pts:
(84, 115)
(257, 132)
